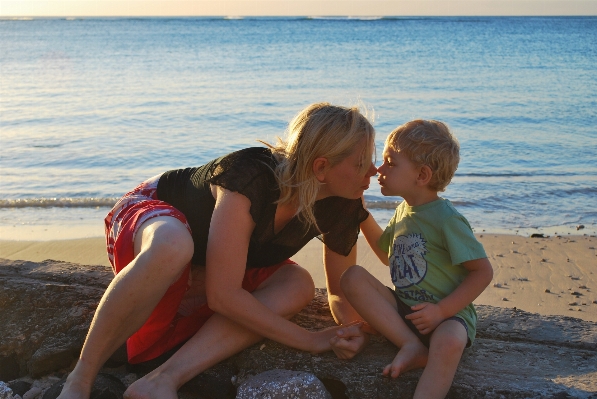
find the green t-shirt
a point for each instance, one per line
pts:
(427, 245)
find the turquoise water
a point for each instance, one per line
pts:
(91, 107)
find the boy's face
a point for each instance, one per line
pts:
(398, 174)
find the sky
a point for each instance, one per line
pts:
(66, 8)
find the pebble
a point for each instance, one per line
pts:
(595, 301)
(505, 299)
(543, 260)
(584, 287)
(523, 279)
(576, 293)
(32, 393)
(572, 304)
(497, 285)
(580, 227)
(547, 290)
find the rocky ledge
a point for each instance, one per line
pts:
(46, 308)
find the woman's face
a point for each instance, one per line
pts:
(346, 179)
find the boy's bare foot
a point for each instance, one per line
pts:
(152, 386)
(410, 356)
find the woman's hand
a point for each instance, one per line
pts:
(349, 340)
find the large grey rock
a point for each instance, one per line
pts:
(46, 308)
(283, 384)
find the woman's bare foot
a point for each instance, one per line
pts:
(74, 388)
(152, 386)
(410, 356)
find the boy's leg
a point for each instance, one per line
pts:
(286, 292)
(163, 248)
(447, 344)
(377, 306)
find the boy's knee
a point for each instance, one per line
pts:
(449, 344)
(351, 277)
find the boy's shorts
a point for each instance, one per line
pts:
(404, 309)
(166, 327)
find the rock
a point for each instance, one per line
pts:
(580, 227)
(32, 393)
(19, 387)
(6, 392)
(515, 355)
(537, 235)
(283, 384)
(547, 290)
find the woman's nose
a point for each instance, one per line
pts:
(372, 170)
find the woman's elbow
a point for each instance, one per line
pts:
(218, 301)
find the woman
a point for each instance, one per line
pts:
(223, 234)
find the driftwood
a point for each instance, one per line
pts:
(46, 308)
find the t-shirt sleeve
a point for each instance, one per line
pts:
(248, 174)
(460, 240)
(342, 224)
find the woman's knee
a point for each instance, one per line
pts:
(165, 241)
(302, 279)
(298, 283)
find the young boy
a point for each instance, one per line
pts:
(437, 266)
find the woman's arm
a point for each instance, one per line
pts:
(227, 250)
(334, 265)
(352, 338)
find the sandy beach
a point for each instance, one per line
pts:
(551, 276)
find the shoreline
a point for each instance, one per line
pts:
(551, 276)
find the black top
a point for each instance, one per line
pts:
(250, 173)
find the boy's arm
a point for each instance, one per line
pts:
(428, 316)
(372, 233)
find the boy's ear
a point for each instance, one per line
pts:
(425, 174)
(320, 166)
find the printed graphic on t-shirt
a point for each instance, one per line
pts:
(407, 262)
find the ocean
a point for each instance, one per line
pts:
(90, 107)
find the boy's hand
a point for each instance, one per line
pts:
(426, 317)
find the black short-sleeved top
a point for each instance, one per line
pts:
(250, 173)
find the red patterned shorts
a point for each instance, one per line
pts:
(169, 324)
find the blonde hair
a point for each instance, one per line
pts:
(321, 130)
(428, 142)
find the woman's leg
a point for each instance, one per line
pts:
(286, 292)
(163, 248)
(377, 306)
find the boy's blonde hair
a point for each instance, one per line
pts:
(321, 130)
(428, 142)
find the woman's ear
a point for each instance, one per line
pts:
(320, 167)
(425, 174)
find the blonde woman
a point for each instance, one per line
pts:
(222, 235)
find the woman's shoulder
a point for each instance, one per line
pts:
(243, 169)
(250, 154)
